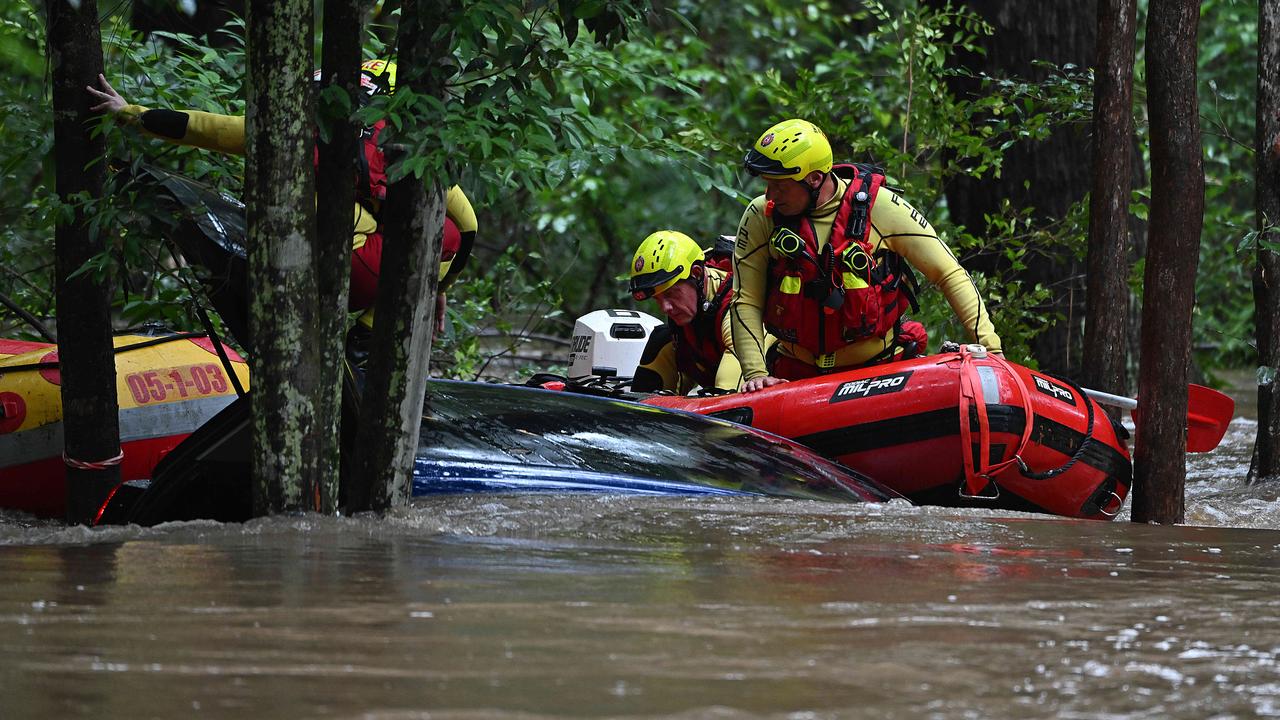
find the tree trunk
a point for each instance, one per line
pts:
(280, 194)
(1173, 245)
(1107, 297)
(1266, 273)
(90, 409)
(335, 198)
(1049, 175)
(413, 221)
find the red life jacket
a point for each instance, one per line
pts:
(699, 345)
(371, 168)
(825, 300)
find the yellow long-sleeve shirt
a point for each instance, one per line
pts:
(225, 133)
(896, 227)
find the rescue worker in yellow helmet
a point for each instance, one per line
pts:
(823, 261)
(694, 348)
(226, 133)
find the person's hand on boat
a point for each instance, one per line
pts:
(111, 100)
(760, 383)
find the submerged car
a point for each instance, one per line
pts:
(480, 437)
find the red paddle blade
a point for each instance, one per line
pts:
(1208, 414)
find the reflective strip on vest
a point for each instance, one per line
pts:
(790, 285)
(853, 282)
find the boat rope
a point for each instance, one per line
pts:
(87, 465)
(1080, 449)
(979, 479)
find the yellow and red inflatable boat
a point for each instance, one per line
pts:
(167, 387)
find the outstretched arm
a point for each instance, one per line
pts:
(223, 133)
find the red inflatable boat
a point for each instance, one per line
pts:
(956, 429)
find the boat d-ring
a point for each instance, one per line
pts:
(991, 483)
(1102, 509)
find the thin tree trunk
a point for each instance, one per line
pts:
(280, 194)
(335, 199)
(413, 221)
(1266, 273)
(90, 409)
(1138, 230)
(1107, 298)
(1177, 218)
(395, 387)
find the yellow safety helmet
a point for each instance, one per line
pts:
(377, 77)
(791, 149)
(662, 260)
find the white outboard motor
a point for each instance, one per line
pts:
(608, 343)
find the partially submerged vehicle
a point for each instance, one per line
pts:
(495, 438)
(475, 437)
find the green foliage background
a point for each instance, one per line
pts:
(578, 127)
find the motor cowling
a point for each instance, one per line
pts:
(608, 343)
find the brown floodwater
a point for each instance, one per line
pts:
(584, 607)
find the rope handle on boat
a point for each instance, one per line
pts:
(970, 395)
(1080, 449)
(99, 465)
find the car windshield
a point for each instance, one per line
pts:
(479, 425)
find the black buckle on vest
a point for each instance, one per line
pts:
(861, 200)
(832, 291)
(835, 300)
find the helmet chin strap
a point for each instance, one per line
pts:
(814, 192)
(699, 279)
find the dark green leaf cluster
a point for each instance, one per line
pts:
(28, 207)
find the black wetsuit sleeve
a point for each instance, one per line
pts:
(165, 123)
(468, 240)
